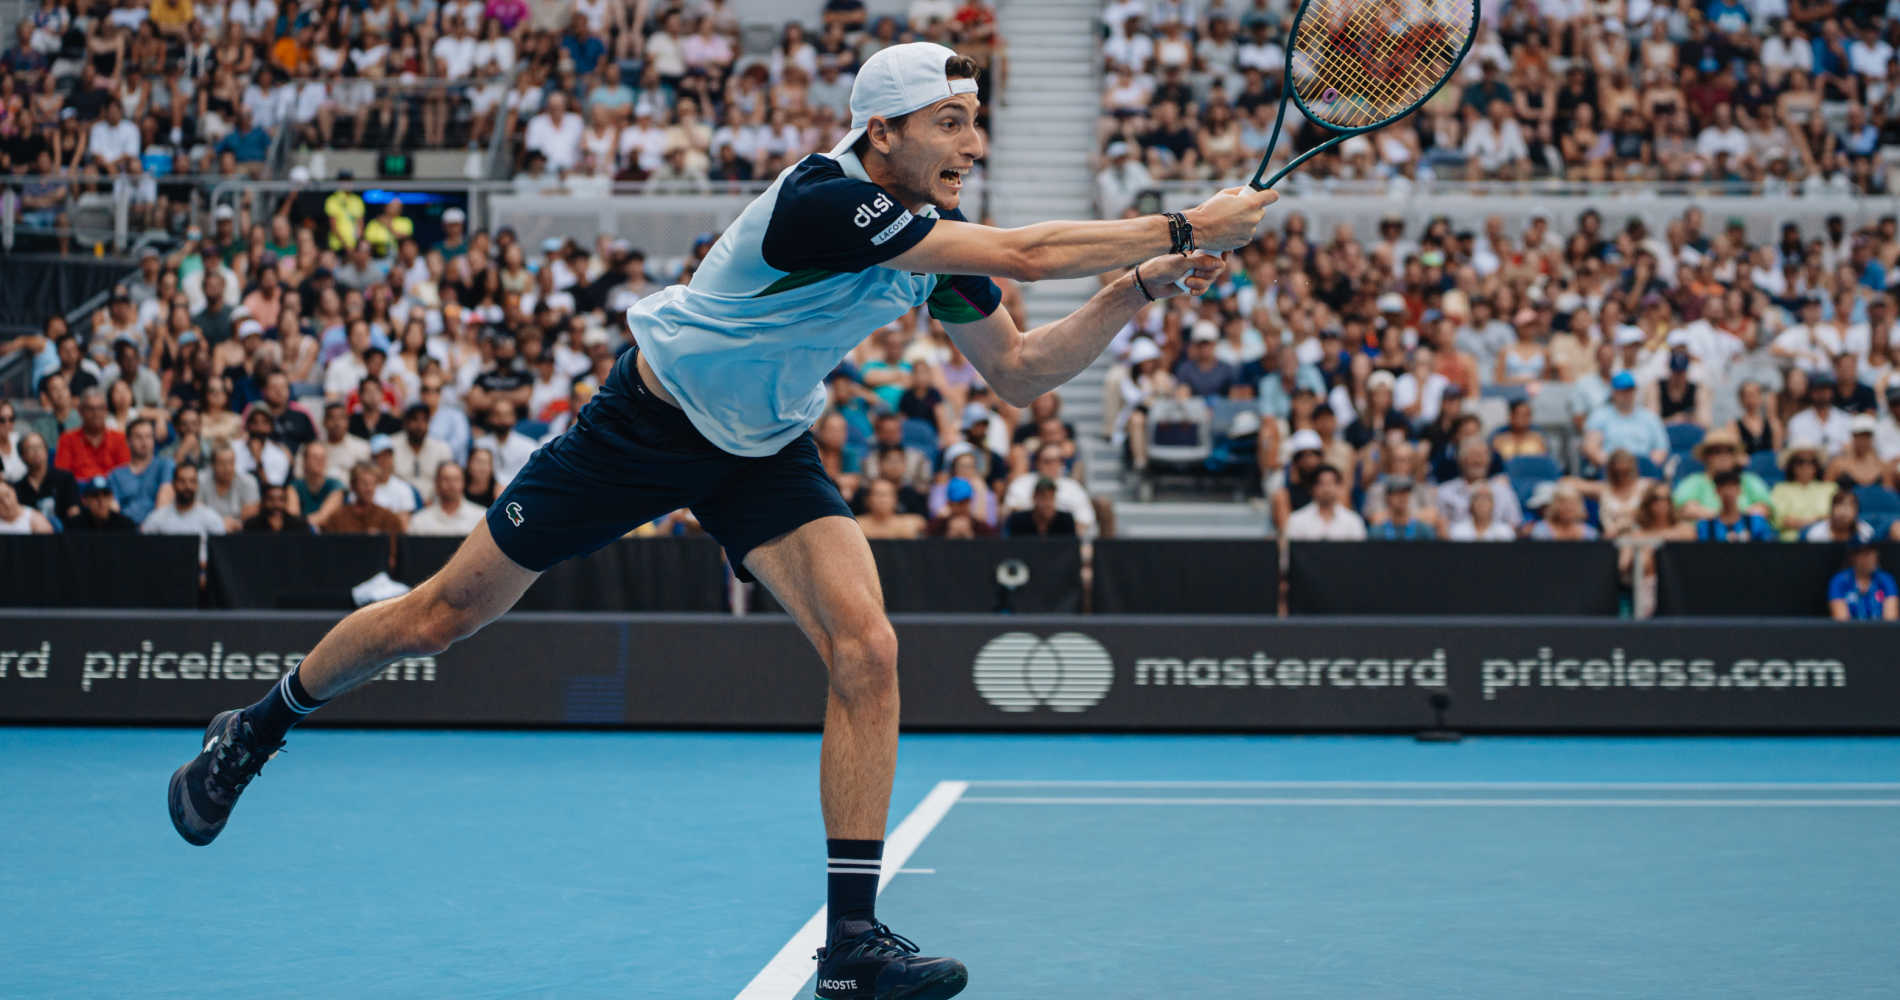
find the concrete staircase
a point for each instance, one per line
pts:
(1039, 170)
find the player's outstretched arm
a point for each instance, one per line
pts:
(1021, 365)
(1079, 249)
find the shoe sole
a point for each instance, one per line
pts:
(175, 794)
(941, 988)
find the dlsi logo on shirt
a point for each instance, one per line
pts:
(869, 211)
(1068, 672)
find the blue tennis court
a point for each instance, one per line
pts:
(405, 864)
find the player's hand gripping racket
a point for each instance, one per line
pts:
(1355, 66)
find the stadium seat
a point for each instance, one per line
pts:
(1683, 438)
(1648, 469)
(1534, 467)
(1877, 500)
(1685, 467)
(1881, 523)
(1767, 465)
(536, 429)
(921, 435)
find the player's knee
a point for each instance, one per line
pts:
(441, 624)
(863, 663)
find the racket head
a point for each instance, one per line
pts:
(1357, 65)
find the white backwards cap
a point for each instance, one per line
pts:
(896, 81)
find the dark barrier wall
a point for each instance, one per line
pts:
(1452, 578)
(634, 574)
(39, 286)
(292, 571)
(98, 571)
(994, 672)
(1157, 576)
(961, 576)
(1755, 579)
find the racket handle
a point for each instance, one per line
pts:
(1181, 282)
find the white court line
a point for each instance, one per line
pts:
(786, 973)
(1432, 803)
(1665, 786)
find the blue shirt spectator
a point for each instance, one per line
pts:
(1856, 596)
(137, 492)
(1621, 425)
(1746, 528)
(1276, 400)
(250, 146)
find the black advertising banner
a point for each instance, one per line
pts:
(292, 571)
(1164, 576)
(76, 569)
(1751, 579)
(1451, 578)
(993, 673)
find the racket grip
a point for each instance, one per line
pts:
(1181, 282)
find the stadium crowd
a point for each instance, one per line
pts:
(1792, 96)
(164, 97)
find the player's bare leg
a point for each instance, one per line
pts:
(476, 587)
(825, 577)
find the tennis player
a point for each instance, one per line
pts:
(711, 410)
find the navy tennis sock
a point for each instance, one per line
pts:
(285, 706)
(853, 867)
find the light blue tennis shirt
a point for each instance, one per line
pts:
(787, 291)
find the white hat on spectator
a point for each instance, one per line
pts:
(1627, 335)
(250, 327)
(1245, 422)
(1304, 440)
(1380, 379)
(1205, 332)
(896, 81)
(595, 335)
(300, 174)
(974, 412)
(1863, 423)
(454, 215)
(1391, 302)
(224, 212)
(1142, 350)
(1116, 150)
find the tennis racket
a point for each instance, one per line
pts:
(1356, 66)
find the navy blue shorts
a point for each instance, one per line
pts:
(631, 457)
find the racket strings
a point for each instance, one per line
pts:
(1358, 63)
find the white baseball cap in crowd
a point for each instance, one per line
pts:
(1304, 440)
(896, 81)
(1381, 379)
(1205, 332)
(454, 215)
(1627, 335)
(1863, 423)
(1142, 350)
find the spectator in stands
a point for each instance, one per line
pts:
(891, 465)
(232, 494)
(448, 513)
(144, 481)
(96, 514)
(345, 449)
(1399, 522)
(19, 519)
(508, 446)
(291, 426)
(185, 515)
(888, 435)
(1820, 421)
(1756, 426)
(1619, 495)
(1518, 438)
(1121, 180)
(315, 494)
(1802, 499)
(257, 455)
(273, 516)
(92, 448)
(1071, 497)
(1842, 523)
(392, 493)
(1564, 519)
(370, 418)
(881, 517)
(1326, 518)
(1200, 373)
(1474, 464)
(1863, 591)
(1042, 519)
(418, 457)
(1720, 451)
(360, 515)
(11, 465)
(1730, 523)
(1860, 463)
(1621, 425)
(478, 474)
(958, 520)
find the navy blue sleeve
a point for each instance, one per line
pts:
(963, 298)
(827, 221)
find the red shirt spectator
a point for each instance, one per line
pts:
(92, 448)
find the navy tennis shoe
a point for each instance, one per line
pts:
(205, 790)
(877, 964)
